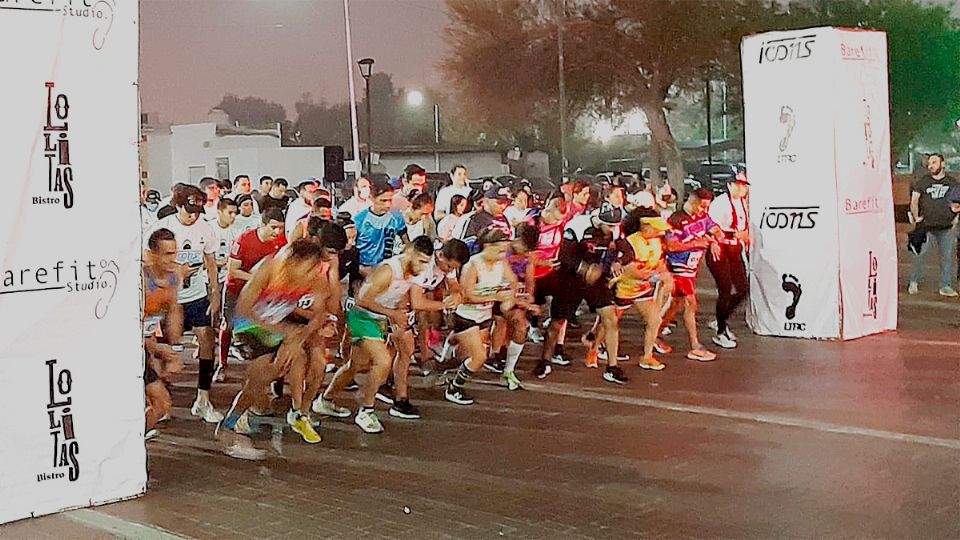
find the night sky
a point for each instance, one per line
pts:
(194, 51)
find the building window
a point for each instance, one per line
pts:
(196, 173)
(223, 168)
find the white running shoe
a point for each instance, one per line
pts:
(219, 374)
(327, 407)
(204, 409)
(621, 357)
(367, 420)
(535, 335)
(948, 292)
(243, 425)
(713, 325)
(248, 453)
(913, 288)
(724, 340)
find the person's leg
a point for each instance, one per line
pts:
(381, 360)
(947, 242)
(554, 331)
(358, 362)
(518, 337)
(916, 269)
(316, 369)
(741, 283)
(720, 269)
(611, 333)
(401, 367)
(260, 373)
(202, 406)
(690, 320)
(471, 341)
(650, 311)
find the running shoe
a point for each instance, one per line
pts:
(591, 360)
(561, 359)
(713, 325)
(366, 419)
(241, 451)
(495, 365)
(204, 409)
(300, 423)
(151, 435)
(352, 387)
(385, 394)
(330, 368)
(652, 363)
(661, 347)
(701, 354)
(621, 357)
(510, 380)
(542, 370)
(615, 375)
(913, 288)
(402, 408)
(243, 425)
(667, 330)
(725, 341)
(164, 418)
(534, 335)
(948, 292)
(276, 389)
(219, 374)
(178, 348)
(327, 407)
(456, 395)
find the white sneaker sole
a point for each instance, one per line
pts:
(720, 343)
(660, 367)
(464, 402)
(247, 454)
(397, 414)
(610, 379)
(700, 358)
(366, 429)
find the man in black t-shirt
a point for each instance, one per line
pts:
(490, 216)
(277, 197)
(930, 208)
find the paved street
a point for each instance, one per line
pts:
(781, 438)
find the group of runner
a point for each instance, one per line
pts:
(370, 289)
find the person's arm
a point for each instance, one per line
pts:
(441, 204)
(915, 206)
(333, 286)
(234, 271)
(420, 302)
(299, 231)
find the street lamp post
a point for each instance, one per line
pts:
(366, 69)
(415, 100)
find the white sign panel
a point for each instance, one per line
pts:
(868, 248)
(71, 361)
(816, 131)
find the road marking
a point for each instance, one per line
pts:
(827, 427)
(119, 526)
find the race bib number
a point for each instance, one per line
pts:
(349, 303)
(190, 257)
(306, 302)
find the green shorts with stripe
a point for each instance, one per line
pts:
(364, 325)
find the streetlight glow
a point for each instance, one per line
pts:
(414, 98)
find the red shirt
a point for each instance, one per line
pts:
(249, 250)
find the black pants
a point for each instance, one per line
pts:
(729, 273)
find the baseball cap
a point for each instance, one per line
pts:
(740, 177)
(153, 196)
(194, 204)
(501, 193)
(610, 215)
(243, 198)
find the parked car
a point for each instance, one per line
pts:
(715, 175)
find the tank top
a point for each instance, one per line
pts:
(395, 293)
(274, 304)
(490, 280)
(647, 253)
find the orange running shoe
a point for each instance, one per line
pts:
(652, 363)
(592, 358)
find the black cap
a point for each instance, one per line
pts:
(499, 193)
(610, 216)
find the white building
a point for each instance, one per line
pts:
(189, 152)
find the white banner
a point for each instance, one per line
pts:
(821, 203)
(789, 145)
(71, 363)
(868, 247)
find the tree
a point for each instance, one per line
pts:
(619, 55)
(924, 57)
(252, 111)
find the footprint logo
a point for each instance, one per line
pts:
(788, 119)
(792, 285)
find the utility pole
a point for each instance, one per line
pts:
(563, 92)
(709, 127)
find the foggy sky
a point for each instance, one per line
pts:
(192, 52)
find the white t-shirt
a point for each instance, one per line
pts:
(722, 212)
(225, 238)
(192, 243)
(354, 206)
(244, 224)
(297, 210)
(210, 213)
(461, 225)
(147, 218)
(515, 215)
(642, 199)
(445, 195)
(445, 227)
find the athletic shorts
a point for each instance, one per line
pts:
(599, 295)
(363, 325)
(684, 286)
(627, 302)
(546, 286)
(253, 347)
(462, 324)
(195, 314)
